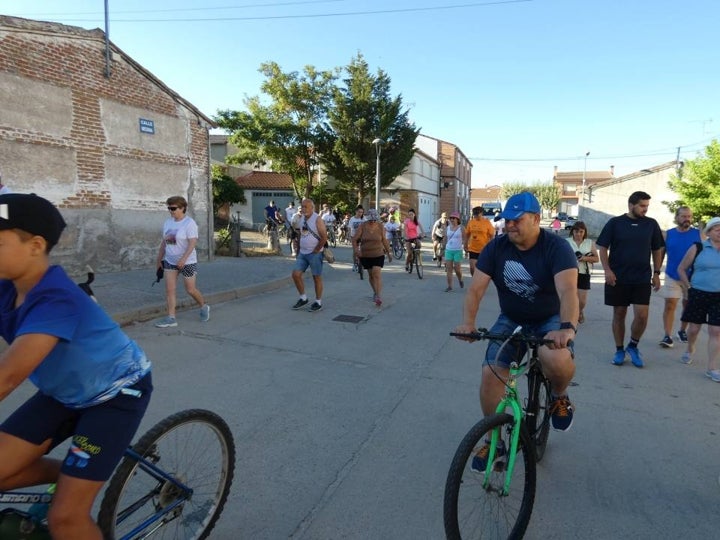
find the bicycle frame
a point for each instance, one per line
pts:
(184, 493)
(512, 401)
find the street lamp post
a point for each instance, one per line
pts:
(377, 143)
(583, 178)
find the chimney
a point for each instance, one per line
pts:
(555, 171)
(612, 170)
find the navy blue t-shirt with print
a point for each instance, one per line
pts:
(525, 280)
(630, 242)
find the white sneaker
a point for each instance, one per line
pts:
(167, 322)
(205, 313)
(713, 374)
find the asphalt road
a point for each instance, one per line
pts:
(346, 430)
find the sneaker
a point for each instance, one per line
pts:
(635, 356)
(479, 460)
(167, 322)
(355, 267)
(300, 303)
(619, 358)
(462, 284)
(682, 336)
(561, 411)
(205, 313)
(713, 374)
(686, 358)
(315, 307)
(667, 342)
(448, 289)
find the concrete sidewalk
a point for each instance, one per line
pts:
(131, 296)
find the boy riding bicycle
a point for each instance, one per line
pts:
(94, 382)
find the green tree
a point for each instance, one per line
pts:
(365, 110)
(226, 191)
(513, 188)
(548, 195)
(287, 132)
(698, 184)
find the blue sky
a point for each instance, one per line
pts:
(519, 86)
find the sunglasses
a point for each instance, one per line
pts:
(172, 208)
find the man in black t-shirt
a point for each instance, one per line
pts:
(535, 274)
(631, 239)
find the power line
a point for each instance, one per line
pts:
(310, 16)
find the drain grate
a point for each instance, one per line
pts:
(349, 318)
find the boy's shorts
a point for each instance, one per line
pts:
(100, 434)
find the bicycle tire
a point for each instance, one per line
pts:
(418, 265)
(537, 410)
(398, 249)
(206, 464)
(472, 511)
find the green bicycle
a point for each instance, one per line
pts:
(498, 502)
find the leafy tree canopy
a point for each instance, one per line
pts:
(225, 189)
(364, 110)
(698, 184)
(288, 132)
(311, 126)
(548, 194)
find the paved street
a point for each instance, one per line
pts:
(347, 430)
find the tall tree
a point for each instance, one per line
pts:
(548, 195)
(698, 184)
(289, 131)
(365, 110)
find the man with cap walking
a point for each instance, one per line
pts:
(535, 274)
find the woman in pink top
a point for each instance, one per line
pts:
(413, 231)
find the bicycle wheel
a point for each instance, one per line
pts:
(472, 510)
(537, 410)
(398, 249)
(196, 447)
(418, 264)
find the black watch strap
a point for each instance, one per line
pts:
(568, 325)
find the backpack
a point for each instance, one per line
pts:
(691, 268)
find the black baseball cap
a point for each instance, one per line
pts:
(31, 213)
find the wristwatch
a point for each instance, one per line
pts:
(568, 326)
(656, 272)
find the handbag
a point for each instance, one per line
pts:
(328, 255)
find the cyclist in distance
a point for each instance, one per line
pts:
(353, 225)
(438, 232)
(413, 232)
(535, 274)
(93, 381)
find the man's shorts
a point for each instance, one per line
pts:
(514, 351)
(673, 288)
(702, 308)
(313, 260)
(454, 255)
(621, 295)
(100, 433)
(188, 271)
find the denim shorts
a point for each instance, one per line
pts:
(514, 351)
(313, 260)
(100, 433)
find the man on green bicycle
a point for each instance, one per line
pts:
(535, 274)
(93, 381)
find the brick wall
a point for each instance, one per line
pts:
(72, 134)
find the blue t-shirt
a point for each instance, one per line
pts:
(93, 359)
(525, 280)
(630, 242)
(676, 245)
(706, 273)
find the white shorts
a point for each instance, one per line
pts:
(673, 288)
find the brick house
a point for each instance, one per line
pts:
(106, 142)
(571, 186)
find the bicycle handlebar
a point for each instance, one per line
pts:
(484, 333)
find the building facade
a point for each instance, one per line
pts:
(98, 135)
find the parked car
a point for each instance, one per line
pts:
(562, 216)
(569, 222)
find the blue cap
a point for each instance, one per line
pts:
(518, 204)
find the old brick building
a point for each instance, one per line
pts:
(105, 141)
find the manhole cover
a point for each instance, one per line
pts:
(349, 318)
